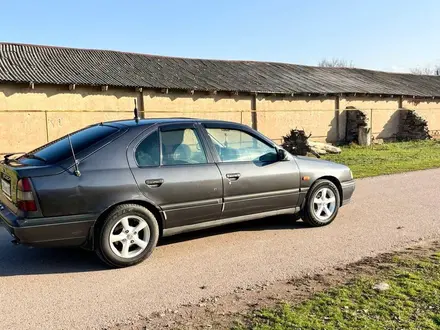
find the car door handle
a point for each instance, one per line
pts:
(154, 183)
(233, 176)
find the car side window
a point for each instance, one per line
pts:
(182, 146)
(238, 146)
(148, 151)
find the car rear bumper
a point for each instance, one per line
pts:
(53, 231)
(347, 191)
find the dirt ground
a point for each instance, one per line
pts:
(221, 312)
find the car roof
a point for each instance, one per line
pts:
(153, 121)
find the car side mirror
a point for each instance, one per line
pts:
(282, 154)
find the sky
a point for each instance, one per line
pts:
(384, 35)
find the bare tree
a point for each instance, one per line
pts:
(429, 70)
(336, 63)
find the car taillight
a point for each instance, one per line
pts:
(25, 197)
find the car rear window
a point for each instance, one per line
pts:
(59, 150)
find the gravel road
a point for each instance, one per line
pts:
(69, 289)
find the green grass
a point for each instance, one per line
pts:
(412, 302)
(389, 158)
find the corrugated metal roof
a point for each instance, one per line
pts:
(57, 65)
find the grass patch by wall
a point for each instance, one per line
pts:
(412, 302)
(389, 158)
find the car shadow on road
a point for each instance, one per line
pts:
(24, 260)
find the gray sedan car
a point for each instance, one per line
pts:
(117, 187)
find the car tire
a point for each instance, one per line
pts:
(119, 244)
(322, 204)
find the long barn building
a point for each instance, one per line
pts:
(46, 92)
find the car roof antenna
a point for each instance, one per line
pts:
(136, 112)
(76, 172)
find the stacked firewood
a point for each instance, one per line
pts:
(297, 143)
(412, 127)
(355, 120)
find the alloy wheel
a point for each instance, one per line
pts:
(129, 237)
(324, 204)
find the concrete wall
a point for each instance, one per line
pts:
(21, 131)
(429, 110)
(382, 114)
(31, 117)
(220, 106)
(277, 116)
(52, 97)
(28, 126)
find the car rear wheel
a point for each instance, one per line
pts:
(322, 204)
(128, 236)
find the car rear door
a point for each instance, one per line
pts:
(254, 180)
(174, 169)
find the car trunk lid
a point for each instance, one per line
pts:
(8, 184)
(11, 171)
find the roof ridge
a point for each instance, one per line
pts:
(147, 54)
(182, 57)
(45, 64)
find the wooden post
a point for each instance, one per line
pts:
(141, 103)
(47, 126)
(254, 117)
(337, 114)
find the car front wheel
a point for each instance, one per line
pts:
(322, 204)
(128, 235)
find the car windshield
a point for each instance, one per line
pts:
(59, 150)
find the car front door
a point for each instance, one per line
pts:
(254, 180)
(174, 169)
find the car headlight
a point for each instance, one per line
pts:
(351, 174)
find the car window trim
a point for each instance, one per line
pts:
(155, 130)
(237, 128)
(170, 126)
(178, 126)
(241, 127)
